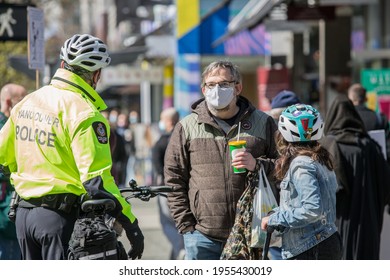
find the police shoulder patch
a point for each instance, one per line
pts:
(101, 132)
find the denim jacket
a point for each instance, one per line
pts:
(307, 208)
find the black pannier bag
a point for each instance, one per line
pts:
(93, 239)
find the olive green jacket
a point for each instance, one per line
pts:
(198, 164)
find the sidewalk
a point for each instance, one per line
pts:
(157, 246)
(385, 240)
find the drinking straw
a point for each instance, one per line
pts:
(238, 135)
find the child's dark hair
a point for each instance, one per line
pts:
(288, 151)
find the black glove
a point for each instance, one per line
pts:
(136, 238)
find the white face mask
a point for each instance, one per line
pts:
(133, 119)
(161, 125)
(112, 119)
(218, 97)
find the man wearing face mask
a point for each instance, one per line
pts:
(198, 162)
(168, 119)
(55, 146)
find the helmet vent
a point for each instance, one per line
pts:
(88, 63)
(295, 134)
(95, 57)
(87, 50)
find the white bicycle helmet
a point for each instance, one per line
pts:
(301, 123)
(85, 51)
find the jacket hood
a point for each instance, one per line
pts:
(343, 121)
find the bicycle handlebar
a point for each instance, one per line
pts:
(145, 192)
(149, 189)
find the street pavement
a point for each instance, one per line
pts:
(385, 240)
(157, 246)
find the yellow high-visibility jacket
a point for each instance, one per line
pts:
(57, 141)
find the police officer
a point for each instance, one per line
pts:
(55, 146)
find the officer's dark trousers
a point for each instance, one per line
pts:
(43, 234)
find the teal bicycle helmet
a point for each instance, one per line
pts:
(301, 123)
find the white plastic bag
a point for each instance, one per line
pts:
(264, 201)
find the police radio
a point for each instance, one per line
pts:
(13, 205)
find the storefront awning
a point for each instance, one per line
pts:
(249, 16)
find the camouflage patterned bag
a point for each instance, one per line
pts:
(238, 243)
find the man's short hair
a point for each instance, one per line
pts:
(236, 75)
(172, 114)
(357, 93)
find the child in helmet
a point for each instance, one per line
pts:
(307, 212)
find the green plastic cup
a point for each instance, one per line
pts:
(236, 146)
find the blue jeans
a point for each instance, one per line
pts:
(329, 249)
(169, 228)
(275, 253)
(200, 247)
(9, 249)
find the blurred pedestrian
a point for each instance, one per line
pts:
(281, 101)
(55, 146)
(10, 95)
(372, 120)
(168, 119)
(307, 212)
(363, 180)
(198, 163)
(122, 148)
(113, 117)
(131, 147)
(118, 151)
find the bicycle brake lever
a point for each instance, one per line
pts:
(144, 197)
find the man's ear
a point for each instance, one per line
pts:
(203, 90)
(238, 88)
(96, 76)
(8, 101)
(62, 64)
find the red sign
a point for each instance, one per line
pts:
(269, 83)
(384, 104)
